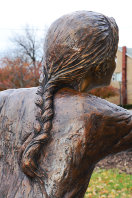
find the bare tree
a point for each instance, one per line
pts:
(29, 46)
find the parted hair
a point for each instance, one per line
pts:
(74, 46)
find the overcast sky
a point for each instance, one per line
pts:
(15, 14)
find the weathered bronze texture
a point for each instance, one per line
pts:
(79, 53)
(85, 129)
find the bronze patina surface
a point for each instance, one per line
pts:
(84, 132)
(79, 52)
(53, 136)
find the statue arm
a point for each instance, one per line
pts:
(109, 128)
(122, 122)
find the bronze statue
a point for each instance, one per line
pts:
(72, 131)
(80, 51)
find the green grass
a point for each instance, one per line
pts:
(109, 184)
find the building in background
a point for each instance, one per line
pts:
(122, 77)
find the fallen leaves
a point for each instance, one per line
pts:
(109, 184)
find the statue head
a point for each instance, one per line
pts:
(80, 50)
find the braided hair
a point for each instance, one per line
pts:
(74, 46)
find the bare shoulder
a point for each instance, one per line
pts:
(83, 102)
(17, 92)
(16, 96)
(71, 105)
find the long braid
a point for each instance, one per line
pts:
(42, 125)
(47, 111)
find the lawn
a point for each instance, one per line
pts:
(109, 184)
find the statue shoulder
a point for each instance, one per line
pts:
(74, 104)
(3, 97)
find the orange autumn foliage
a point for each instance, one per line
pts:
(16, 73)
(105, 92)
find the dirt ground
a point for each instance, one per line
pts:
(122, 161)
